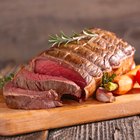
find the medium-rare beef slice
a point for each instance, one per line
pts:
(27, 99)
(37, 82)
(52, 68)
(37, 65)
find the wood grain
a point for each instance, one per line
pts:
(22, 121)
(42, 135)
(116, 129)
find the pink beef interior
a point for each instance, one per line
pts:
(39, 82)
(52, 68)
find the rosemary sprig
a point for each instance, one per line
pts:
(5, 79)
(63, 38)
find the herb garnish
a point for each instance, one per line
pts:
(63, 38)
(107, 78)
(107, 82)
(5, 79)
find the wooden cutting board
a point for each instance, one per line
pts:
(14, 121)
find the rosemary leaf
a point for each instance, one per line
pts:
(75, 34)
(86, 32)
(64, 35)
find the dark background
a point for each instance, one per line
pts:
(26, 24)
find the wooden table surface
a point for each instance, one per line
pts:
(117, 129)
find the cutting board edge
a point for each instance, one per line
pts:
(131, 106)
(24, 132)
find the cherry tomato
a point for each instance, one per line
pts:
(137, 77)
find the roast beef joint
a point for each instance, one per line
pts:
(73, 68)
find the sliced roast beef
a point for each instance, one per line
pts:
(52, 68)
(68, 67)
(81, 76)
(30, 99)
(37, 82)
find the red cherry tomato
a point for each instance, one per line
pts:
(137, 77)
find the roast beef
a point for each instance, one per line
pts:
(75, 68)
(90, 58)
(37, 82)
(30, 99)
(50, 67)
(35, 91)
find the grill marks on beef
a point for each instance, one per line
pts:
(36, 82)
